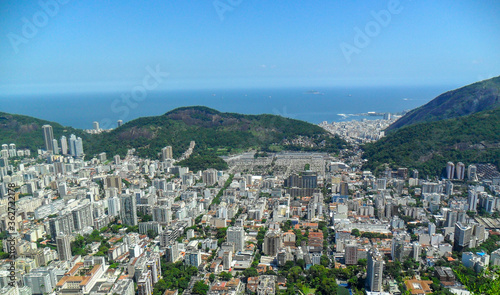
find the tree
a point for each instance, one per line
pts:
(353, 281)
(295, 274)
(270, 272)
(301, 263)
(288, 265)
(78, 246)
(221, 232)
(4, 235)
(160, 287)
(225, 276)
(393, 269)
(355, 232)
(323, 279)
(327, 286)
(200, 288)
(410, 264)
(134, 229)
(144, 217)
(287, 225)
(211, 278)
(152, 234)
(471, 213)
(175, 275)
(324, 260)
(250, 272)
(115, 228)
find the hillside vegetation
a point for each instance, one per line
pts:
(216, 132)
(477, 97)
(26, 132)
(428, 146)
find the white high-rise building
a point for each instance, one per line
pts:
(64, 145)
(450, 170)
(472, 199)
(82, 216)
(416, 250)
(63, 247)
(432, 228)
(63, 189)
(209, 176)
(381, 183)
(79, 147)
(48, 136)
(95, 124)
(351, 253)
(472, 173)
(236, 235)
(449, 188)
(75, 146)
(72, 145)
(451, 218)
(272, 243)
(39, 281)
(374, 276)
(128, 210)
(462, 236)
(495, 257)
(162, 214)
(227, 259)
(172, 251)
(12, 150)
(166, 153)
(193, 258)
(460, 169)
(55, 147)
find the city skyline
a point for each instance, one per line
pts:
(301, 212)
(249, 147)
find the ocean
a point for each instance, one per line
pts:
(311, 105)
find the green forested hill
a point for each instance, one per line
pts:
(477, 97)
(428, 146)
(26, 132)
(214, 131)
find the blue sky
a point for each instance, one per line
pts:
(107, 45)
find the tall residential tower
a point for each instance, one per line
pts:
(48, 137)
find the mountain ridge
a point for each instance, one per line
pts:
(215, 130)
(476, 97)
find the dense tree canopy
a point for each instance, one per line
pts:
(427, 147)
